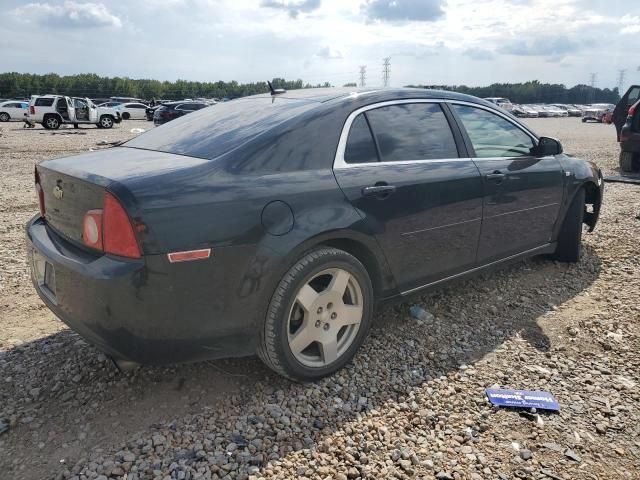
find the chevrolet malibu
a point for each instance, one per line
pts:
(275, 224)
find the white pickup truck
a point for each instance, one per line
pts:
(51, 111)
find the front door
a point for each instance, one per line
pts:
(522, 193)
(622, 108)
(401, 169)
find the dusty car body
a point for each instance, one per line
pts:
(275, 223)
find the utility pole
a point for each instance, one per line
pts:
(621, 75)
(363, 75)
(386, 71)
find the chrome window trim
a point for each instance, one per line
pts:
(340, 164)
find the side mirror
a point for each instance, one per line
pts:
(546, 147)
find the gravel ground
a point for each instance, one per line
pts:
(411, 405)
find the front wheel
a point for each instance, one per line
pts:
(570, 236)
(105, 122)
(318, 317)
(629, 162)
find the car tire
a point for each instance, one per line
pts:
(126, 116)
(51, 122)
(333, 325)
(106, 121)
(4, 117)
(629, 162)
(570, 236)
(584, 120)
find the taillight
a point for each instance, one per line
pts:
(40, 193)
(32, 110)
(110, 229)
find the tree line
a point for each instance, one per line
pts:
(23, 85)
(537, 92)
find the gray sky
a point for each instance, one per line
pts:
(473, 42)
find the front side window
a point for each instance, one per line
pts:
(77, 103)
(360, 145)
(634, 94)
(493, 136)
(412, 131)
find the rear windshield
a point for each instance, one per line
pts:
(44, 102)
(213, 131)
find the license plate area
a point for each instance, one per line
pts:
(45, 276)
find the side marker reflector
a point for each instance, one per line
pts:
(189, 255)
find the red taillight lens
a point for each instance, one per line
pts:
(118, 236)
(32, 110)
(110, 230)
(40, 193)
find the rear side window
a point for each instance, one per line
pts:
(493, 136)
(214, 131)
(360, 145)
(413, 131)
(44, 102)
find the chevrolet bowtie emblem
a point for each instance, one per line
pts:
(57, 192)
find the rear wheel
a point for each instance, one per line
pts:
(4, 117)
(51, 122)
(570, 236)
(318, 317)
(629, 162)
(126, 116)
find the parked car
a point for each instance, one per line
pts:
(132, 111)
(275, 223)
(172, 110)
(13, 111)
(621, 110)
(503, 103)
(630, 140)
(542, 112)
(570, 109)
(110, 104)
(596, 112)
(531, 112)
(555, 111)
(51, 111)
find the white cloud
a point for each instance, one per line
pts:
(68, 15)
(329, 53)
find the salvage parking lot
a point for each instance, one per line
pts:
(411, 405)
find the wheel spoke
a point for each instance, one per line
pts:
(302, 339)
(330, 350)
(349, 315)
(339, 282)
(306, 297)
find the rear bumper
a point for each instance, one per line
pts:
(137, 310)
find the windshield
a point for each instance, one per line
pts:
(214, 130)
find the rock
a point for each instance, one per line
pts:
(572, 455)
(525, 454)
(158, 439)
(601, 428)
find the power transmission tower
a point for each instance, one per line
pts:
(621, 74)
(363, 75)
(386, 71)
(593, 78)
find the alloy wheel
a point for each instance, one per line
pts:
(325, 317)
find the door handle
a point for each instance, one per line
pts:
(497, 176)
(380, 191)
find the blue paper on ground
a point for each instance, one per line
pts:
(523, 399)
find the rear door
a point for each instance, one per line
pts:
(522, 193)
(405, 169)
(622, 108)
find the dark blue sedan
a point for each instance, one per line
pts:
(274, 224)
